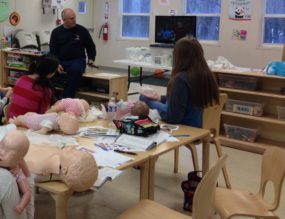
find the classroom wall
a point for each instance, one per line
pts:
(33, 19)
(246, 53)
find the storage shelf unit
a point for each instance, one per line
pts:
(113, 82)
(270, 128)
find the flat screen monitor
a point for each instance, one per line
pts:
(169, 29)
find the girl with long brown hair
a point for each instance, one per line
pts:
(191, 88)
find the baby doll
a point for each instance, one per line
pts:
(13, 148)
(79, 107)
(44, 123)
(77, 169)
(140, 109)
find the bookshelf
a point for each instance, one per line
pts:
(15, 63)
(269, 127)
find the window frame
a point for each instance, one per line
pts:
(210, 42)
(264, 15)
(122, 14)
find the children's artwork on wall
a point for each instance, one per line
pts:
(239, 34)
(82, 7)
(163, 2)
(240, 9)
(172, 11)
(4, 10)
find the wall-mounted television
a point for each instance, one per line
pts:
(169, 29)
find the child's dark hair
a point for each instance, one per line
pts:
(43, 66)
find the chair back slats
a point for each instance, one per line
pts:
(283, 57)
(212, 116)
(273, 170)
(203, 207)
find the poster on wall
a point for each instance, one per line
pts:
(240, 9)
(4, 10)
(239, 34)
(163, 2)
(82, 7)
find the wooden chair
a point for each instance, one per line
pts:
(210, 120)
(203, 201)
(283, 56)
(230, 202)
(5, 119)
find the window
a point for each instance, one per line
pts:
(135, 18)
(208, 18)
(274, 22)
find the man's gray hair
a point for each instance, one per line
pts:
(63, 14)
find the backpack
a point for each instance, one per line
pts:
(189, 187)
(138, 127)
(276, 68)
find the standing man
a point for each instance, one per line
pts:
(68, 42)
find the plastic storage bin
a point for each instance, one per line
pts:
(244, 107)
(240, 133)
(281, 112)
(239, 82)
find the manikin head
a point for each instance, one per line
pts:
(68, 123)
(69, 18)
(85, 105)
(140, 109)
(13, 148)
(78, 169)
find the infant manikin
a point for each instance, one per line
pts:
(44, 123)
(79, 107)
(76, 168)
(140, 109)
(13, 148)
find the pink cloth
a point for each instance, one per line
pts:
(33, 121)
(70, 105)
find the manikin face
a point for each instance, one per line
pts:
(13, 148)
(8, 156)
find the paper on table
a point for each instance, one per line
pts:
(135, 143)
(96, 131)
(110, 158)
(52, 140)
(106, 174)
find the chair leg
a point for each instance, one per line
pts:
(193, 149)
(216, 141)
(176, 160)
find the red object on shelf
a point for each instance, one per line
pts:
(58, 22)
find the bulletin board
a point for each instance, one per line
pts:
(4, 10)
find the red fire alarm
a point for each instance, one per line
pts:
(58, 22)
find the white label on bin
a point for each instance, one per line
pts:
(237, 108)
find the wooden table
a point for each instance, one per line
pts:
(195, 134)
(61, 193)
(145, 160)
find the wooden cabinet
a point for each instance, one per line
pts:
(108, 82)
(270, 129)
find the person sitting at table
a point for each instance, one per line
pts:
(33, 92)
(191, 88)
